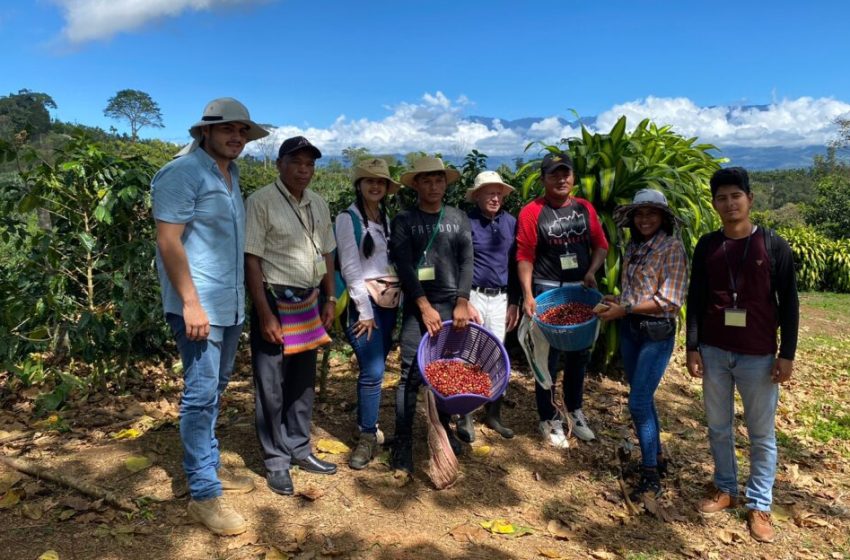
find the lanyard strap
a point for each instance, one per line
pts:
(310, 232)
(433, 236)
(733, 278)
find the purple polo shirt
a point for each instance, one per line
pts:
(492, 242)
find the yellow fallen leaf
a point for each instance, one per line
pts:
(665, 437)
(49, 555)
(129, 433)
(482, 450)
(322, 456)
(549, 553)
(332, 446)
(137, 463)
(275, 554)
(8, 480)
(780, 513)
(499, 526)
(10, 499)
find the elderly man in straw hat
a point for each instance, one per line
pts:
(495, 288)
(288, 264)
(431, 246)
(200, 235)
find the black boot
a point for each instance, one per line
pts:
(402, 457)
(465, 429)
(649, 483)
(493, 420)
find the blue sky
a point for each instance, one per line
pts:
(408, 74)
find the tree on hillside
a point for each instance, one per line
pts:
(830, 210)
(137, 108)
(843, 139)
(25, 111)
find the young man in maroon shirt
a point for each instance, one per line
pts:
(559, 241)
(742, 290)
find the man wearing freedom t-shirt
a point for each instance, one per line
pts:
(559, 241)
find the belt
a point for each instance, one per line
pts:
(491, 291)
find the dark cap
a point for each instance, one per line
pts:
(553, 161)
(291, 145)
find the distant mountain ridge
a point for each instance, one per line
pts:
(772, 157)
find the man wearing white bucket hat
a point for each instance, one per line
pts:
(200, 235)
(495, 289)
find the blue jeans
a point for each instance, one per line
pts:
(723, 371)
(645, 361)
(372, 359)
(207, 365)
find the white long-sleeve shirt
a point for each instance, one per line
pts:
(356, 268)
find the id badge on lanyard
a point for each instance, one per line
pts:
(321, 267)
(733, 316)
(569, 261)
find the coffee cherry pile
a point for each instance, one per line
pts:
(452, 377)
(572, 313)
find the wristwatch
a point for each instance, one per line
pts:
(628, 308)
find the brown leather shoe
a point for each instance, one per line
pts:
(761, 529)
(716, 501)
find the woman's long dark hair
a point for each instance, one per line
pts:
(368, 242)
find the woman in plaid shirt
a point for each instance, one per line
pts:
(654, 284)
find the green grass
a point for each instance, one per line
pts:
(831, 427)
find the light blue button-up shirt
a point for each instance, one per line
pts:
(191, 190)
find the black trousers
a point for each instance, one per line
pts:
(412, 329)
(284, 389)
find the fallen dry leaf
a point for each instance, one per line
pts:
(549, 553)
(332, 446)
(49, 555)
(274, 554)
(558, 530)
(7, 480)
(32, 510)
(137, 463)
(311, 493)
(468, 533)
(10, 499)
(482, 451)
(728, 536)
(76, 503)
(602, 554)
(499, 526)
(129, 433)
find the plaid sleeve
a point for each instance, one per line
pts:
(672, 292)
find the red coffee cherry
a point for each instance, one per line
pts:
(572, 313)
(453, 377)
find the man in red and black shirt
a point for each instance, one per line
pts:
(559, 241)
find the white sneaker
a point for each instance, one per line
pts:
(579, 427)
(553, 433)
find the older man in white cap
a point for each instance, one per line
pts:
(494, 300)
(200, 236)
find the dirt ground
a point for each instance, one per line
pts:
(555, 504)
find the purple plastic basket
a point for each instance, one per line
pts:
(473, 345)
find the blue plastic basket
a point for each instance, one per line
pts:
(568, 337)
(473, 345)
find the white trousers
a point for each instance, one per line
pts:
(493, 311)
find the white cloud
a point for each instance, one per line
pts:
(438, 124)
(789, 123)
(89, 20)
